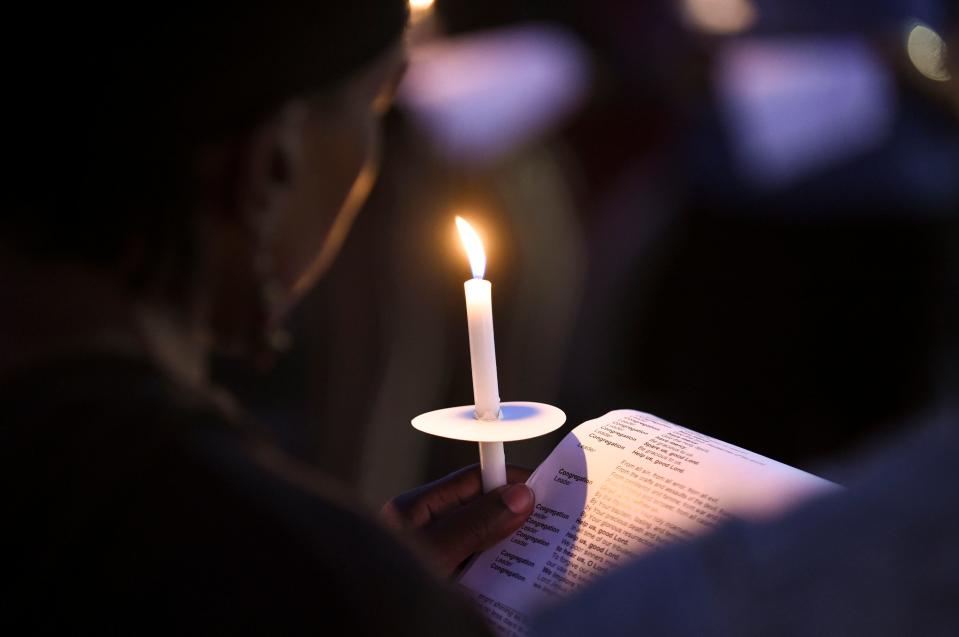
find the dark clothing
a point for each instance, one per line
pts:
(139, 506)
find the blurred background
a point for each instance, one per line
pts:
(740, 215)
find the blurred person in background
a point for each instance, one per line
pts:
(180, 179)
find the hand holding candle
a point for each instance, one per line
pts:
(479, 314)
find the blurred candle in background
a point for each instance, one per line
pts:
(420, 9)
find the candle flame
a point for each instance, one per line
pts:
(474, 247)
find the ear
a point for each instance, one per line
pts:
(243, 182)
(243, 178)
(265, 161)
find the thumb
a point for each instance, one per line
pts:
(479, 524)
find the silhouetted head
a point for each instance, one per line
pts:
(209, 158)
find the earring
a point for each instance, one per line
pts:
(270, 340)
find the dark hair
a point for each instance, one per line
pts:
(109, 106)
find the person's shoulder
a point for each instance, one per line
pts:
(272, 518)
(324, 552)
(147, 500)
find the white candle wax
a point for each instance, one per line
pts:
(492, 465)
(479, 314)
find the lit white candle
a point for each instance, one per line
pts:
(479, 314)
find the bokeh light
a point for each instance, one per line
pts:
(927, 52)
(419, 8)
(719, 16)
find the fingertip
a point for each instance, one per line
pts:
(518, 498)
